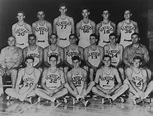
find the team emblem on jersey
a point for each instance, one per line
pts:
(106, 29)
(41, 30)
(28, 81)
(21, 32)
(86, 28)
(64, 24)
(77, 80)
(106, 78)
(71, 54)
(94, 55)
(128, 29)
(53, 78)
(113, 53)
(34, 55)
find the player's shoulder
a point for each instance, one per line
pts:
(120, 23)
(14, 25)
(134, 22)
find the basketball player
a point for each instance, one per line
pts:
(10, 60)
(136, 49)
(137, 80)
(93, 55)
(53, 49)
(34, 50)
(125, 28)
(20, 30)
(84, 28)
(42, 29)
(115, 51)
(26, 81)
(77, 79)
(104, 28)
(107, 82)
(53, 82)
(63, 26)
(72, 50)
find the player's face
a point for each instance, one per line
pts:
(29, 63)
(11, 41)
(20, 16)
(63, 9)
(53, 39)
(112, 39)
(127, 14)
(72, 40)
(40, 15)
(105, 14)
(135, 39)
(93, 40)
(107, 61)
(136, 63)
(53, 61)
(32, 41)
(85, 13)
(76, 63)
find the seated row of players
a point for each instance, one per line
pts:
(11, 58)
(64, 25)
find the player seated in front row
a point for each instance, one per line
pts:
(52, 82)
(137, 80)
(77, 82)
(105, 82)
(27, 80)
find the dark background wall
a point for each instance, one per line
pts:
(9, 9)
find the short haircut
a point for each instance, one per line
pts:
(85, 8)
(21, 12)
(62, 5)
(135, 33)
(138, 57)
(76, 58)
(128, 10)
(113, 34)
(55, 56)
(29, 57)
(106, 56)
(97, 37)
(41, 11)
(31, 35)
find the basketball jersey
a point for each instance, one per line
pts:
(104, 31)
(126, 31)
(85, 31)
(53, 52)
(41, 32)
(53, 79)
(114, 54)
(94, 57)
(138, 78)
(72, 53)
(63, 28)
(106, 81)
(28, 79)
(77, 79)
(35, 54)
(21, 35)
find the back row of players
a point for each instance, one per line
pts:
(64, 25)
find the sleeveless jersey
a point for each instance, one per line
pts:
(28, 79)
(21, 35)
(138, 78)
(126, 32)
(55, 52)
(72, 53)
(41, 32)
(114, 54)
(35, 54)
(94, 57)
(53, 79)
(85, 31)
(106, 81)
(77, 79)
(104, 32)
(63, 28)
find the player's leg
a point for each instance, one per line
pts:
(98, 92)
(60, 93)
(149, 89)
(11, 92)
(13, 73)
(70, 90)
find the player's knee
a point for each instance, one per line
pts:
(66, 85)
(151, 84)
(65, 91)
(94, 89)
(125, 86)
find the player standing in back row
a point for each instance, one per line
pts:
(125, 29)
(63, 26)
(42, 29)
(84, 28)
(21, 30)
(104, 28)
